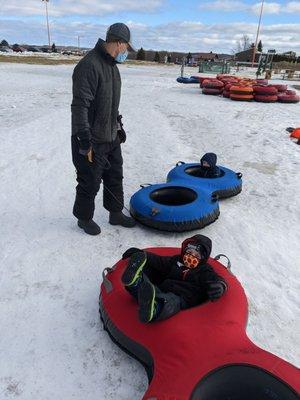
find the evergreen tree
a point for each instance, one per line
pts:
(259, 46)
(4, 43)
(53, 48)
(157, 57)
(141, 54)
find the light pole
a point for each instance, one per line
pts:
(257, 33)
(47, 18)
(78, 38)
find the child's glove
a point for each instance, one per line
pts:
(216, 289)
(128, 253)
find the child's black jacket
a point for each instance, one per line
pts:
(170, 275)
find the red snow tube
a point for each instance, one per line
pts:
(280, 88)
(202, 79)
(262, 81)
(292, 92)
(199, 354)
(288, 98)
(241, 93)
(265, 98)
(228, 86)
(214, 92)
(265, 90)
(213, 84)
(226, 94)
(296, 133)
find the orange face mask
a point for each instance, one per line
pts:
(190, 260)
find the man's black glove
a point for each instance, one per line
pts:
(84, 146)
(121, 131)
(128, 253)
(216, 289)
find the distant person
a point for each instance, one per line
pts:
(164, 285)
(97, 130)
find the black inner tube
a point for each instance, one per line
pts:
(174, 196)
(196, 171)
(242, 382)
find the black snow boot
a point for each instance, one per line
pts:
(118, 218)
(134, 270)
(89, 226)
(149, 305)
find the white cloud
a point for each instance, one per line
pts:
(226, 5)
(269, 8)
(60, 8)
(177, 36)
(234, 6)
(293, 7)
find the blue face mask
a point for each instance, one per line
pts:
(121, 57)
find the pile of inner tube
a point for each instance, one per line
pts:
(246, 89)
(186, 201)
(212, 86)
(265, 94)
(241, 93)
(289, 96)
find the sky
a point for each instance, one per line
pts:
(190, 25)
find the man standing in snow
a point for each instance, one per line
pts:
(97, 130)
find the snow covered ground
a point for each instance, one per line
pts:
(52, 343)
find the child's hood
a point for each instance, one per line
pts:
(210, 158)
(203, 241)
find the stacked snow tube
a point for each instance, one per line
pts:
(265, 94)
(262, 82)
(241, 93)
(175, 206)
(204, 78)
(212, 87)
(200, 353)
(289, 96)
(226, 91)
(227, 185)
(280, 87)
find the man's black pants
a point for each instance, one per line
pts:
(107, 166)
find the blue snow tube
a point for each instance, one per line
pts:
(174, 207)
(227, 185)
(183, 79)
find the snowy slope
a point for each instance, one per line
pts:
(52, 344)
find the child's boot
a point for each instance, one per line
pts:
(149, 306)
(132, 275)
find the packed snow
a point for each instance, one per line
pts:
(52, 343)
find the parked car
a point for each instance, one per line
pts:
(45, 49)
(5, 49)
(66, 53)
(18, 49)
(33, 49)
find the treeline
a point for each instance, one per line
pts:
(156, 56)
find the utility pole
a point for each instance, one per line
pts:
(47, 18)
(78, 39)
(257, 33)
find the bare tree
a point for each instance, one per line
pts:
(245, 42)
(242, 44)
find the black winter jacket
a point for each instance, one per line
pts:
(96, 97)
(170, 275)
